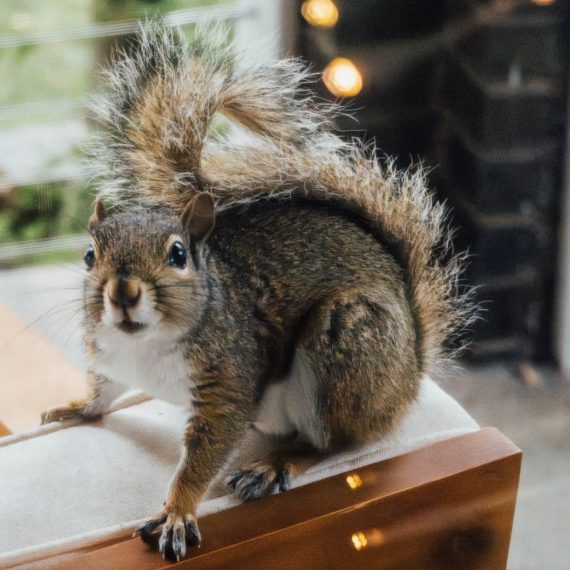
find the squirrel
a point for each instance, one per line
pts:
(290, 286)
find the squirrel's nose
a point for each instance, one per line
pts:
(124, 291)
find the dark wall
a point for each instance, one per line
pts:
(475, 89)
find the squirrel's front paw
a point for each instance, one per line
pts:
(178, 533)
(70, 412)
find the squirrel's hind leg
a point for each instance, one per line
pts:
(287, 436)
(362, 351)
(354, 372)
(103, 392)
(271, 470)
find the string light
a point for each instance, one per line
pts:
(359, 540)
(322, 13)
(342, 78)
(354, 481)
(372, 537)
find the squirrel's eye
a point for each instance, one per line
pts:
(89, 257)
(177, 255)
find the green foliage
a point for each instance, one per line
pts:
(47, 258)
(54, 71)
(44, 210)
(32, 16)
(41, 72)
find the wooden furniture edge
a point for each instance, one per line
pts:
(459, 496)
(4, 430)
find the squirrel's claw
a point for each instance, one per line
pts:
(259, 480)
(178, 533)
(60, 414)
(74, 411)
(146, 528)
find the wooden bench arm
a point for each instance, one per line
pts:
(4, 430)
(449, 505)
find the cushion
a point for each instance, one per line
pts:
(66, 486)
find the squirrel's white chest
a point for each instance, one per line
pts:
(157, 368)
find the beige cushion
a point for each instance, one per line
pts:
(64, 487)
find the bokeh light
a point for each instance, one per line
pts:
(354, 481)
(342, 78)
(323, 13)
(359, 540)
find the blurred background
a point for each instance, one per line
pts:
(475, 90)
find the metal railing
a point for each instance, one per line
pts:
(13, 251)
(116, 29)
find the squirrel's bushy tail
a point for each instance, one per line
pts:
(164, 92)
(154, 151)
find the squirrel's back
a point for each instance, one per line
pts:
(295, 269)
(309, 247)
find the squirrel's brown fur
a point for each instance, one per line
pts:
(159, 113)
(311, 308)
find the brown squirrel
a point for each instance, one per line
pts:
(289, 286)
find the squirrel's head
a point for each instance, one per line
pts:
(145, 270)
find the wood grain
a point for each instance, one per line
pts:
(34, 376)
(449, 505)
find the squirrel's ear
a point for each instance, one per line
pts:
(199, 217)
(98, 215)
